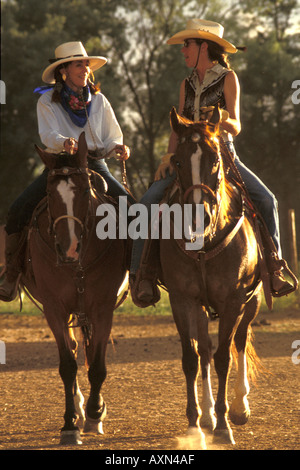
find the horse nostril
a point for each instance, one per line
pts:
(59, 251)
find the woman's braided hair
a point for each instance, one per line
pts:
(215, 52)
(59, 82)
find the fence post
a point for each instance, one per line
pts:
(2, 352)
(292, 241)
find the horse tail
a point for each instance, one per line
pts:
(254, 364)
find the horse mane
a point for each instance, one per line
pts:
(214, 141)
(211, 137)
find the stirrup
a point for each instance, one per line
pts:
(284, 287)
(276, 268)
(9, 290)
(144, 292)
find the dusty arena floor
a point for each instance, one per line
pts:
(145, 387)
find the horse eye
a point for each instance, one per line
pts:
(178, 164)
(196, 137)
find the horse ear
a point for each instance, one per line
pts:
(47, 158)
(82, 151)
(177, 122)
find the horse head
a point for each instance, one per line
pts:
(198, 165)
(68, 193)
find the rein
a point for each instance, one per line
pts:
(205, 188)
(67, 171)
(97, 154)
(214, 195)
(79, 317)
(216, 250)
(202, 256)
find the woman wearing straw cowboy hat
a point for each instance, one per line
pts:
(211, 83)
(69, 105)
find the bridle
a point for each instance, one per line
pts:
(213, 194)
(66, 171)
(62, 217)
(204, 188)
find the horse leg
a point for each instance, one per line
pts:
(239, 411)
(79, 401)
(185, 316)
(68, 370)
(208, 420)
(78, 397)
(67, 347)
(222, 359)
(96, 351)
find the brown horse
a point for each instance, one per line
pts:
(76, 277)
(222, 275)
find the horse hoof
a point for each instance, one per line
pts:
(208, 422)
(70, 438)
(239, 419)
(223, 436)
(93, 426)
(195, 438)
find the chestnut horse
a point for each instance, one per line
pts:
(76, 277)
(222, 275)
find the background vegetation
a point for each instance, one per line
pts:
(142, 81)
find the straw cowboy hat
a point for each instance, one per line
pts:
(203, 29)
(68, 52)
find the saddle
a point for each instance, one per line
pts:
(268, 259)
(98, 186)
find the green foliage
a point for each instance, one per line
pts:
(128, 308)
(143, 76)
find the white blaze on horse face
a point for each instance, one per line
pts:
(195, 163)
(65, 189)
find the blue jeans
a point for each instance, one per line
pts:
(22, 209)
(261, 196)
(153, 196)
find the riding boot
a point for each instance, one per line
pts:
(143, 284)
(276, 266)
(14, 253)
(143, 288)
(144, 291)
(279, 285)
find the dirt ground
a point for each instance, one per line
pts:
(145, 387)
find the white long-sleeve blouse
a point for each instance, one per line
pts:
(55, 125)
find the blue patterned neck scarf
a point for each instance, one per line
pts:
(72, 102)
(75, 104)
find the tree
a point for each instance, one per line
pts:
(143, 76)
(270, 141)
(31, 30)
(152, 72)
(141, 79)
